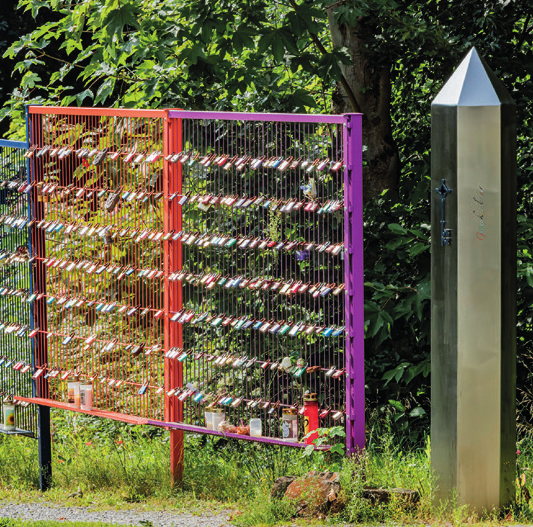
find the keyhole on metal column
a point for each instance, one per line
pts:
(445, 234)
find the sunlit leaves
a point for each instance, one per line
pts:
(186, 53)
(82, 96)
(104, 91)
(30, 79)
(118, 19)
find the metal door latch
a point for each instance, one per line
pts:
(445, 234)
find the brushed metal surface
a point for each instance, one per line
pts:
(478, 305)
(508, 303)
(473, 344)
(443, 296)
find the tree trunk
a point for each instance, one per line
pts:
(371, 88)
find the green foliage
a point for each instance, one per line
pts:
(387, 467)
(199, 55)
(332, 458)
(133, 461)
(127, 463)
(20, 465)
(266, 511)
(397, 259)
(382, 466)
(397, 322)
(237, 470)
(13, 25)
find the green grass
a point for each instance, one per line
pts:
(383, 467)
(114, 464)
(121, 466)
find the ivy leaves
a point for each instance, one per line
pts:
(390, 304)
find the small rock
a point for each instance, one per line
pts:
(332, 496)
(315, 493)
(77, 494)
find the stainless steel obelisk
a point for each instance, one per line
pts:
(473, 270)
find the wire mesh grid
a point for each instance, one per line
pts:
(97, 212)
(191, 266)
(15, 293)
(261, 273)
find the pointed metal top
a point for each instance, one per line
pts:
(473, 84)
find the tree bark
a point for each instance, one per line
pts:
(371, 86)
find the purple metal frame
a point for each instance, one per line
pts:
(202, 430)
(354, 268)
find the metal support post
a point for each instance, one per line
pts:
(38, 309)
(354, 304)
(173, 295)
(473, 269)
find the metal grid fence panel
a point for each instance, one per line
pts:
(98, 220)
(197, 264)
(260, 273)
(15, 289)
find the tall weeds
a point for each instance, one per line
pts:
(134, 461)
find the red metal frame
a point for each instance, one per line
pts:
(97, 413)
(108, 112)
(171, 260)
(39, 270)
(150, 123)
(173, 297)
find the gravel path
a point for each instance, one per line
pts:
(37, 511)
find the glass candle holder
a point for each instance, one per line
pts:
(255, 427)
(289, 424)
(209, 420)
(73, 391)
(86, 395)
(9, 415)
(218, 416)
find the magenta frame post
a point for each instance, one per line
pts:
(354, 272)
